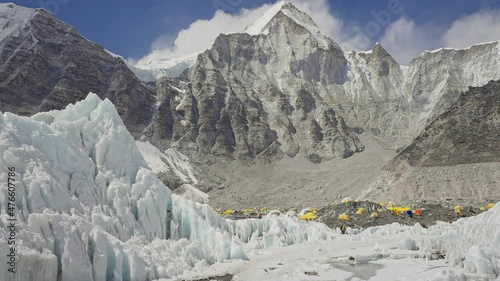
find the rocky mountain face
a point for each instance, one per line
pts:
(46, 64)
(283, 88)
(456, 155)
(282, 92)
(435, 80)
(260, 96)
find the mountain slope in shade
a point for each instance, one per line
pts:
(457, 155)
(435, 80)
(46, 64)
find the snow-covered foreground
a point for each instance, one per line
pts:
(391, 252)
(87, 207)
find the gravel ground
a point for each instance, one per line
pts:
(431, 212)
(299, 182)
(227, 277)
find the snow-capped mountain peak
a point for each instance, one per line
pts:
(258, 26)
(284, 8)
(281, 13)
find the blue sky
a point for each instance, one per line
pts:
(131, 28)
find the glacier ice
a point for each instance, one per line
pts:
(89, 208)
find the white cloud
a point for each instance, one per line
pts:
(348, 37)
(483, 26)
(404, 40)
(201, 34)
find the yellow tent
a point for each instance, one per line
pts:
(360, 211)
(382, 204)
(228, 212)
(491, 205)
(483, 209)
(264, 209)
(344, 217)
(314, 210)
(247, 211)
(399, 209)
(346, 200)
(458, 208)
(374, 215)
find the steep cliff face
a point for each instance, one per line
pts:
(373, 95)
(260, 95)
(46, 64)
(456, 155)
(283, 88)
(435, 80)
(468, 132)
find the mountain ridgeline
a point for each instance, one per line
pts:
(278, 90)
(46, 64)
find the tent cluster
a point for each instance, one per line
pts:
(243, 214)
(308, 214)
(489, 206)
(374, 211)
(400, 210)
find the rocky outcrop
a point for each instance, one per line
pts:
(435, 80)
(457, 155)
(374, 99)
(468, 132)
(46, 64)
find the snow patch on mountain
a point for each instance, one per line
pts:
(182, 163)
(13, 19)
(170, 161)
(190, 192)
(166, 68)
(153, 156)
(455, 49)
(259, 25)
